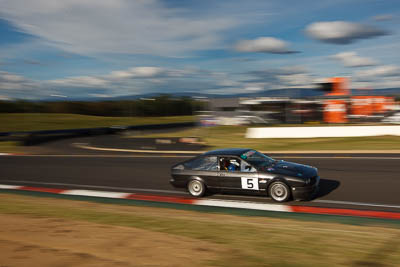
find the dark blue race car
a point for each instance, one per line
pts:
(239, 170)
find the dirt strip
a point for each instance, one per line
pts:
(57, 242)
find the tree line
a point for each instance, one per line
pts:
(158, 106)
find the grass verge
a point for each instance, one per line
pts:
(9, 147)
(248, 241)
(44, 121)
(234, 136)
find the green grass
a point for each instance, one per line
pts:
(9, 147)
(250, 241)
(234, 136)
(45, 121)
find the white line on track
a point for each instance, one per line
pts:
(335, 157)
(97, 187)
(93, 193)
(136, 150)
(200, 152)
(241, 196)
(242, 205)
(356, 203)
(101, 156)
(5, 186)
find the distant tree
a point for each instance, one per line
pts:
(163, 105)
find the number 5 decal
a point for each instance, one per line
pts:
(250, 183)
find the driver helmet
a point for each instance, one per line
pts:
(234, 162)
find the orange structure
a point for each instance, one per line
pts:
(378, 104)
(361, 105)
(340, 86)
(371, 105)
(335, 111)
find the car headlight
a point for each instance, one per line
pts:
(179, 167)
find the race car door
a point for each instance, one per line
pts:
(241, 177)
(205, 167)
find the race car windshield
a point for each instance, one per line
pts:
(257, 159)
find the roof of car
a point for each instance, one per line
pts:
(228, 151)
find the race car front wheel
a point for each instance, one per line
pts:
(196, 188)
(279, 191)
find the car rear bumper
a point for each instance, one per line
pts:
(306, 192)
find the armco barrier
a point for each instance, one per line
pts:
(36, 137)
(327, 131)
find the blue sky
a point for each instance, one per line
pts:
(97, 48)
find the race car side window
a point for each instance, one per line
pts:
(230, 164)
(208, 163)
(245, 167)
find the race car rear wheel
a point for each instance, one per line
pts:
(279, 191)
(196, 188)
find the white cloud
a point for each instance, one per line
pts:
(81, 81)
(264, 45)
(132, 77)
(342, 32)
(269, 75)
(295, 76)
(386, 76)
(13, 86)
(291, 70)
(145, 72)
(100, 95)
(10, 86)
(9, 81)
(118, 26)
(296, 80)
(387, 82)
(137, 72)
(9, 77)
(351, 59)
(144, 79)
(380, 71)
(254, 87)
(383, 17)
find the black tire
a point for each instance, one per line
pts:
(196, 188)
(279, 191)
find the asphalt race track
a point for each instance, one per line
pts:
(363, 182)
